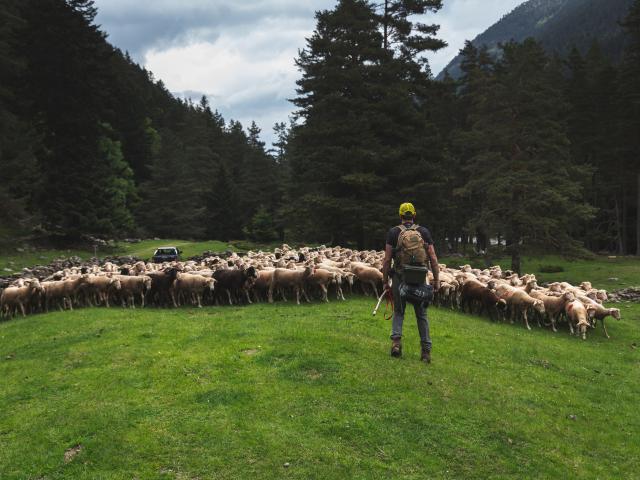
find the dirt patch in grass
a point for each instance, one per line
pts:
(71, 453)
(250, 351)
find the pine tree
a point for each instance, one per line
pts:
(19, 173)
(401, 34)
(67, 80)
(629, 115)
(222, 212)
(520, 165)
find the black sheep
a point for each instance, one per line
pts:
(236, 282)
(161, 282)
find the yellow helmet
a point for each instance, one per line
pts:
(407, 208)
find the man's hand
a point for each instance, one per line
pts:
(436, 285)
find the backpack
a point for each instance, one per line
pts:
(410, 249)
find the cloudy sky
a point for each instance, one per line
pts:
(240, 52)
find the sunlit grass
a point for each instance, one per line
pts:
(240, 392)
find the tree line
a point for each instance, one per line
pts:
(530, 150)
(91, 143)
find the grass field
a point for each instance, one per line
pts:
(309, 392)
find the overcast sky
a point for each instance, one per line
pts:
(240, 52)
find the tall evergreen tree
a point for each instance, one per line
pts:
(629, 114)
(406, 37)
(521, 166)
(19, 174)
(67, 80)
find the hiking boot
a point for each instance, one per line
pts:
(396, 348)
(425, 356)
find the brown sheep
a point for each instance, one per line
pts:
(283, 278)
(13, 298)
(132, 286)
(191, 286)
(322, 278)
(367, 275)
(99, 288)
(578, 316)
(475, 292)
(262, 283)
(553, 306)
(598, 312)
(63, 292)
(520, 302)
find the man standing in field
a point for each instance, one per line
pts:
(409, 244)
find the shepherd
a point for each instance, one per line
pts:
(410, 246)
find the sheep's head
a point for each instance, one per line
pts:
(615, 313)
(115, 284)
(582, 328)
(147, 283)
(501, 304)
(211, 284)
(569, 297)
(602, 295)
(586, 286)
(35, 286)
(538, 306)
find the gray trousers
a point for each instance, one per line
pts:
(399, 307)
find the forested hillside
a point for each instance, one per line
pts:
(91, 143)
(559, 25)
(538, 151)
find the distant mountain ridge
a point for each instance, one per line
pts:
(558, 25)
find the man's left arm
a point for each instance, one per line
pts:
(435, 267)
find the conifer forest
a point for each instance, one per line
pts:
(526, 150)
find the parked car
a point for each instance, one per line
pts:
(166, 254)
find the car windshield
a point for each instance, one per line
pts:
(166, 251)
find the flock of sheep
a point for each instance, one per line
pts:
(305, 272)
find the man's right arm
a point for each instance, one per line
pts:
(386, 264)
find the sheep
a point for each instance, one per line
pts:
(13, 298)
(283, 278)
(192, 286)
(322, 278)
(520, 302)
(236, 281)
(578, 315)
(56, 291)
(132, 286)
(99, 288)
(262, 283)
(367, 275)
(598, 312)
(474, 291)
(553, 306)
(161, 282)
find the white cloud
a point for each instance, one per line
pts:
(241, 53)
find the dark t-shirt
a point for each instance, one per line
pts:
(394, 233)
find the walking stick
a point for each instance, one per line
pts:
(375, 310)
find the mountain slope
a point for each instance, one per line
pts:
(559, 25)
